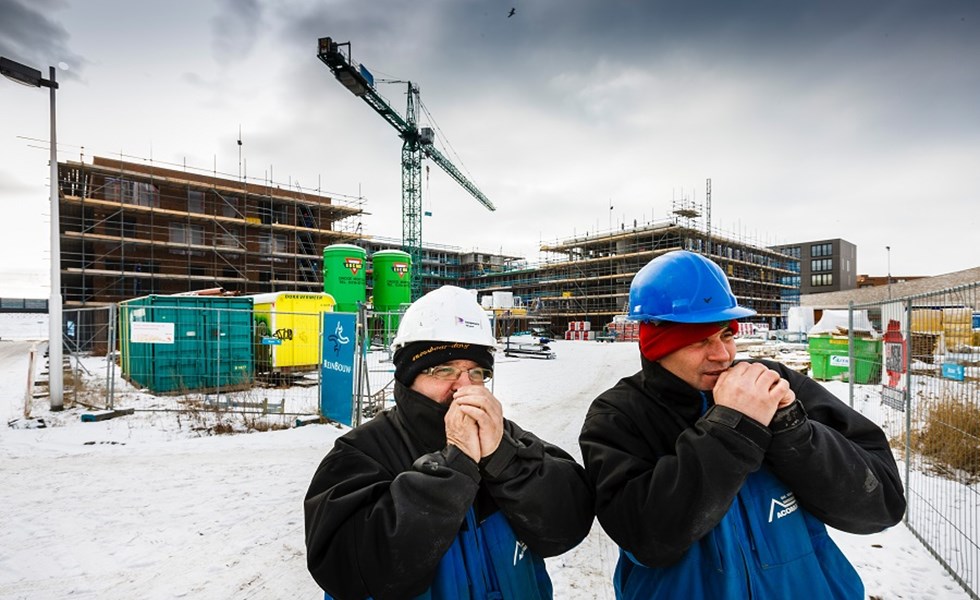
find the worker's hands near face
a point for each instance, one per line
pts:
(753, 390)
(477, 403)
(462, 432)
(788, 397)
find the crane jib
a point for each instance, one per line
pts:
(360, 82)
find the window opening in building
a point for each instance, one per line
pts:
(821, 279)
(821, 250)
(229, 207)
(195, 201)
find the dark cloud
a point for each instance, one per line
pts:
(393, 39)
(236, 28)
(580, 32)
(28, 36)
(803, 46)
(568, 103)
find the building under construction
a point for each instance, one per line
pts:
(587, 278)
(131, 229)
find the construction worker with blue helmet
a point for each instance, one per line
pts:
(683, 287)
(717, 477)
(441, 497)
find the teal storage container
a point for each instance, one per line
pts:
(177, 344)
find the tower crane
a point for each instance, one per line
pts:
(417, 143)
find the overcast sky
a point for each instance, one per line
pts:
(857, 120)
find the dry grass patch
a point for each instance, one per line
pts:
(950, 438)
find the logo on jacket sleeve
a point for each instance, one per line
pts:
(782, 506)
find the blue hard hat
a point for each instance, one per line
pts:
(683, 287)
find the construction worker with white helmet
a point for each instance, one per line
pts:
(441, 497)
(717, 477)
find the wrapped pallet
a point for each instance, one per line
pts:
(923, 346)
(957, 328)
(927, 320)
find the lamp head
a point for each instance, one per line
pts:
(22, 74)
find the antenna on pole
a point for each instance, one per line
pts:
(239, 151)
(708, 215)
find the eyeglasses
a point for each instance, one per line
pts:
(449, 373)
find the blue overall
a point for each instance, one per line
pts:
(765, 547)
(488, 562)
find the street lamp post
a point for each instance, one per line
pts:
(32, 77)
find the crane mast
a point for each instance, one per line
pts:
(417, 143)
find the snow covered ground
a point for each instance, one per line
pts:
(142, 507)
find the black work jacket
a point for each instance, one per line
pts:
(387, 502)
(666, 463)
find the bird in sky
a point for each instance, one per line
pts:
(511, 13)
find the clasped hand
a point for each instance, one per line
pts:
(754, 390)
(475, 421)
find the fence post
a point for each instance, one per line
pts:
(850, 353)
(217, 392)
(110, 384)
(29, 393)
(319, 363)
(908, 407)
(360, 361)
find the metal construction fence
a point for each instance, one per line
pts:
(222, 362)
(926, 369)
(218, 359)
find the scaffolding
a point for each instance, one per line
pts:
(587, 277)
(131, 229)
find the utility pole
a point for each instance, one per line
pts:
(888, 250)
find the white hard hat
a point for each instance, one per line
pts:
(446, 314)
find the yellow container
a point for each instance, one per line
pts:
(287, 330)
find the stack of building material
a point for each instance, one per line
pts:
(538, 348)
(625, 331)
(927, 320)
(579, 330)
(927, 328)
(957, 328)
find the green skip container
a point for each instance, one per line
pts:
(829, 359)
